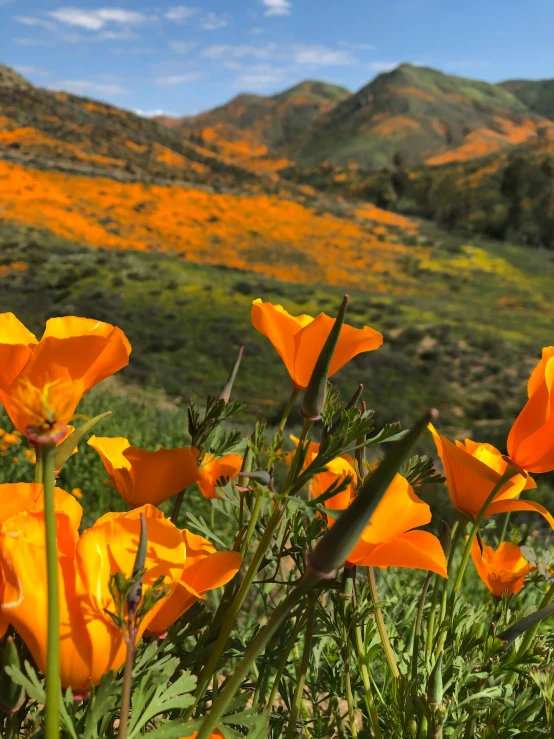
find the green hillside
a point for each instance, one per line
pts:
(186, 323)
(537, 95)
(274, 121)
(417, 112)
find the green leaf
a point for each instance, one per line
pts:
(102, 701)
(513, 632)
(68, 446)
(151, 700)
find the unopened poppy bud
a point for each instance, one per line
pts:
(434, 687)
(11, 694)
(135, 593)
(226, 392)
(314, 397)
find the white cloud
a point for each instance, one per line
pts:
(382, 66)
(95, 20)
(240, 52)
(172, 80)
(213, 21)
(321, 56)
(153, 113)
(84, 86)
(182, 47)
(31, 69)
(277, 7)
(180, 13)
(124, 35)
(257, 30)
(361, 47)
(32, 21)
(33, 42)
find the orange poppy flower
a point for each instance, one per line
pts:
(503, 570)
(390, 540)
(299, 339)
(145, 477)
(91, 644)
(215, 735)
(205, 569)
(22, 496)
(472, 471)
(41, 382)
(218, 471)
(531, 439)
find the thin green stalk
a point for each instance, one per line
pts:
(53, 685)
(419, 619)
(282, 666)
(234, 608)
(254, 516)
(350, 697)
(290, 405)
(508, 474)
(177, 506)
(264, 636)
(126, 690)
(38, 463)
(389, 654)
(505, 528)
(301, 679)
(364, 672)
(432, 614)
(236, 604)
(458, 529)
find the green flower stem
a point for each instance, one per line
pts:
(458, 529)
(508, 474)
(254, 516)
(505, 527)
(301, 679)
(38, 464)
(290, 405)
(432, 614)
(389, 653)
(419, 619)
(350, 697)
(126, 690)
(282, 666)
(53, 685)
(177, 506)
(364, 672)
(282, 612)
(234, 607)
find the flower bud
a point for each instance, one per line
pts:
(226, 392)
(314, 397)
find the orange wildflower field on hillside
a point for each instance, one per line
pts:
(261, 233)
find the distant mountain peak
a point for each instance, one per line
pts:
(10, 78)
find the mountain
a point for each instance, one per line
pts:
(537, 95)
(57, 130)
(422, 115)
(257, 128)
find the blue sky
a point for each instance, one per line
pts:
(183, 58)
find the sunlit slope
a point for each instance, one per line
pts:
(421, 114)
(271, 235)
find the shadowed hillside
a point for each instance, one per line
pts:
(261, 130)
(537, 95)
